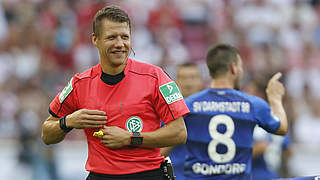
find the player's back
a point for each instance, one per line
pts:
(220, 133)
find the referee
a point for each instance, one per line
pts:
(123, 100)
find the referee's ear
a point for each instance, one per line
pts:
(94, 39)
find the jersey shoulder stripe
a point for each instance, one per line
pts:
(89, 73)
(142, 68)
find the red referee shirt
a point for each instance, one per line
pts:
(144, 97)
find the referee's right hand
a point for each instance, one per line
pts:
(85, 118)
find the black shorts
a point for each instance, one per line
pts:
(155, 174)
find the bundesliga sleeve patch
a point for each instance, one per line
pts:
(170, 92)
(66, 91)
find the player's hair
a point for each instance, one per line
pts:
(112, 13)
(219, 59)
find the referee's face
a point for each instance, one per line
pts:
(113, 43)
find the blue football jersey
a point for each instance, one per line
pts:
(220, 133)
(177, 156)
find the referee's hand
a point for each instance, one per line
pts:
(85, 118)
(115, 137)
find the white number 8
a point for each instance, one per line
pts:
(218, 137)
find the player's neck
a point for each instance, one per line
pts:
(221, 83)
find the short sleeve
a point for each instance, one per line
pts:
(169, 102)
(65, 101)
(264, 116)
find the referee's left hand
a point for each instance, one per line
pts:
(115, 137)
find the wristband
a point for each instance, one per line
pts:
(63, 126)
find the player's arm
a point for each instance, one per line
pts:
(83, 118)
(275, 91)
(259, 147)
(261, 141)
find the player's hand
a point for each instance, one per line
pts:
(85, 118)
(275, 89)
(115, 137)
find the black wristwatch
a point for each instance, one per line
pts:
(136, 139)
(63, 126)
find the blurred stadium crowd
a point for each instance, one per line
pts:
(44, 42)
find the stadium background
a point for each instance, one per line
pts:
(43, 42)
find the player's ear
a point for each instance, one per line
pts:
(94, 39)
(233, 68)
